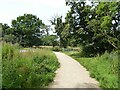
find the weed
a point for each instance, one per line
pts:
(34, 68)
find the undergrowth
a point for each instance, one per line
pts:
(31, 69)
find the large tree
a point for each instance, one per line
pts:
(92, 25)
(27, 29)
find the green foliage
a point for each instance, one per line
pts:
(27, 29)
(8, 51)
(92, 26)
(103, 68)
(34, 68)
(50, 40)
(5, 29)
(0, 63)
(9, 38)
(87, 51)
(24, 30)
(59, 28)
(57, 48)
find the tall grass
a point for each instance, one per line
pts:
(0, 65)
(31, 69)
(104, 68)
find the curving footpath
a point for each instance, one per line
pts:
(71, 74)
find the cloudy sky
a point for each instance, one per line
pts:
(44, 9)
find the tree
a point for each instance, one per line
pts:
(50, 40)
(7, 35)
(91, 26)
(5, 29)
(47, 29)
(27, 28)
(107, 13)
(10, 38)
(59, 27)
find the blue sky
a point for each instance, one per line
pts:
(44, 9)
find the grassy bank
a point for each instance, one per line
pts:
(34, 68)
(0, 64)
(103, 68)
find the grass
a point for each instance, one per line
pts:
(103, 68)
(0, 64)
(32, 69)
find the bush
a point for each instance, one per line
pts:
(32, 69)
(88, 51)
(57, 48)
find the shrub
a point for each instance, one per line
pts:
(88, 51)
(57, 48)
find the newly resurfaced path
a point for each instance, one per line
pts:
(71, 74)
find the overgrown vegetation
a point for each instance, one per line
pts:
(34, 68)
(103, 68)
(57, 48)
(0, 64)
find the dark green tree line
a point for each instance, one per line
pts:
(27, 30)
(94, 27)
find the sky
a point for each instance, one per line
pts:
(44, 9)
